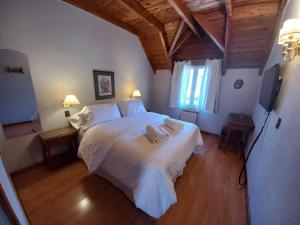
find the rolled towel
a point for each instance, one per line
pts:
(173, 124)
(155, 135)
(164, 130)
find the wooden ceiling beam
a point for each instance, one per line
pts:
(106, 16)
(185, 37)
(229, 10)
(134, 6)
(182, 10)
(272, 37)
(177, 35)
(165, 47)
(252, 2)
(210, 30)
(227, 41)
(228, 5)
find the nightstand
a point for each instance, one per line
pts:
(51, 139)
(238, 128)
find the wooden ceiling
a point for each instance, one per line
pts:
(241, 32)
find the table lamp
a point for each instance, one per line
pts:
(136, 93)
(69, 101)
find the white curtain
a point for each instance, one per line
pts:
(210, 86)
(208, 92)
(179, 83)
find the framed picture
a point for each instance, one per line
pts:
(104, 84)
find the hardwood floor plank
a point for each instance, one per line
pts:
(207, 194)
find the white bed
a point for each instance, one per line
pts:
(120, 151)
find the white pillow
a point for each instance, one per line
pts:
(131, 107)
(77, 120)
(74, 121)
(94, 114)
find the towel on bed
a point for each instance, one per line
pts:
(173, 124)
(155, 135)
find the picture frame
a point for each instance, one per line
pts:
(104, 82)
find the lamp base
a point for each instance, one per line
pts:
(67, 113)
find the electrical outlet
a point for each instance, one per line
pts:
(278, 123)
(67, 113)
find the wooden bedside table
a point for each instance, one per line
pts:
(58, 137)
(237, 124)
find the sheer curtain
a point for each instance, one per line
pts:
(179, 84)
(209, 91)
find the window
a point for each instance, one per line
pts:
(196, 87)
(192, 96)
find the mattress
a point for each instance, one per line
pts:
(120, 151)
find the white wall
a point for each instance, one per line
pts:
(231, 100)
(274, 168)
(64, 44)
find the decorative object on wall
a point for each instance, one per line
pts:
(69, 101)
(104, 84)
(15, 70)
(238, 84)
(289, 38)
(136, 94)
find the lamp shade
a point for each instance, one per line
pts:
(290, 32)
(70, 100)
(136, 93)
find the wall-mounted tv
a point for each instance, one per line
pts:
(270, 87)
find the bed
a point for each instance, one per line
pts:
(119, 150)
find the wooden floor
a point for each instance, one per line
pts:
(208, 194)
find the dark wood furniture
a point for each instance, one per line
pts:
(238, 128)
(51, 139)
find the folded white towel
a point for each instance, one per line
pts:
(155, 135)
(173, 124)
(164, 130)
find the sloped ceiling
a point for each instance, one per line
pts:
(238, 31)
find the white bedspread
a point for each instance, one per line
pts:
(144, 171)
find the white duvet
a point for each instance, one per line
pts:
(120, 151)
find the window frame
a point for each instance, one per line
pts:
(190, 102)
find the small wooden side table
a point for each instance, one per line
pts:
(240, 123)
(58, 137)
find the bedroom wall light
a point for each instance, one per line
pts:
(136, 93)
(69, 101)
(289, 38)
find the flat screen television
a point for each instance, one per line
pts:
(270, 88)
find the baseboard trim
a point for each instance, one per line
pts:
(26, 169)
